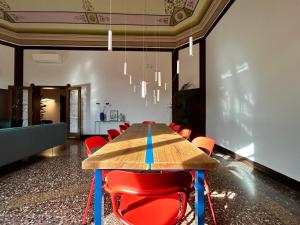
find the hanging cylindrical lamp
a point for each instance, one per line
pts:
(165, 86)
(144, 89)
(109, 45)
(191, 45)
(125, 68)
(125, 60)
(177, 67)
(159, 79)
(130, 79)
(157, 95)
(155, 76)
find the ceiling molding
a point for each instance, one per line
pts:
(200, 26)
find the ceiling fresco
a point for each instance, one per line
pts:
(175, 11)
(86, 22)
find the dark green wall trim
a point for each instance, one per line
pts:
(279, 177)
(7, 44)
(202, 79)
(18, 66)
(219, 17)
(175, 80)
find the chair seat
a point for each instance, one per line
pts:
(141, 210)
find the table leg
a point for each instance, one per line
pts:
(98, 197)
(199, 197)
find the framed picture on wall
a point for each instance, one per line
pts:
(113, 115)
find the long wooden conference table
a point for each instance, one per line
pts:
(151, 148)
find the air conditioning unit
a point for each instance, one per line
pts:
(47, 58)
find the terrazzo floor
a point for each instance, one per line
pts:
(51, 188)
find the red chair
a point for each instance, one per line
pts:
(123, 128)
(149, 122)
(186, 133)
(112, 133)
(92, 144)
(176, 128)
(148, 198)
(207, 144)
(171, 125)
(127, 124)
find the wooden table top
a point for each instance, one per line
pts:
(170, 151)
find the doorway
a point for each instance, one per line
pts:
(47, 104)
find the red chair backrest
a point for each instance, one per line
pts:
(205, 143)
(123, 128)
(149, 122)
(171, 125)
(127, 124)
(176, 127)
(186, 133)
(148, 185)
(112, 133)
(94, 142)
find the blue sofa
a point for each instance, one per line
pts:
(20, 142)
(5, 124)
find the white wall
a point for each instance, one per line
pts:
(189, 67)
(7, 55)
(100, 74)
(253, 83)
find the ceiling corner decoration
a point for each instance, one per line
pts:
(180, 10)
(87, 5)
(3, 7)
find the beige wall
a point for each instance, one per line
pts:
(6, 66)
(253, 83)
(100, 74)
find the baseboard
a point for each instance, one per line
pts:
(290, 182)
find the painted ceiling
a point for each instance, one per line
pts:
(168, 17)
(134, 23)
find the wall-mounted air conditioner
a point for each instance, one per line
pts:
(47, 58)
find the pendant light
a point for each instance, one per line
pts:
(125, 61)
(177, 66)
(155, 76)
(165, 86)
(159, 79)
(157, 95)
(144, 89)
(109, 31)
(191, 45)
(130, 79)
(125, 67)
(144, 84)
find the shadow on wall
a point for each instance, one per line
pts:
(237, 111)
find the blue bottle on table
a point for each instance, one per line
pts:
(102, 116)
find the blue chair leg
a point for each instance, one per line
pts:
(98, 197)
(199, 197)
